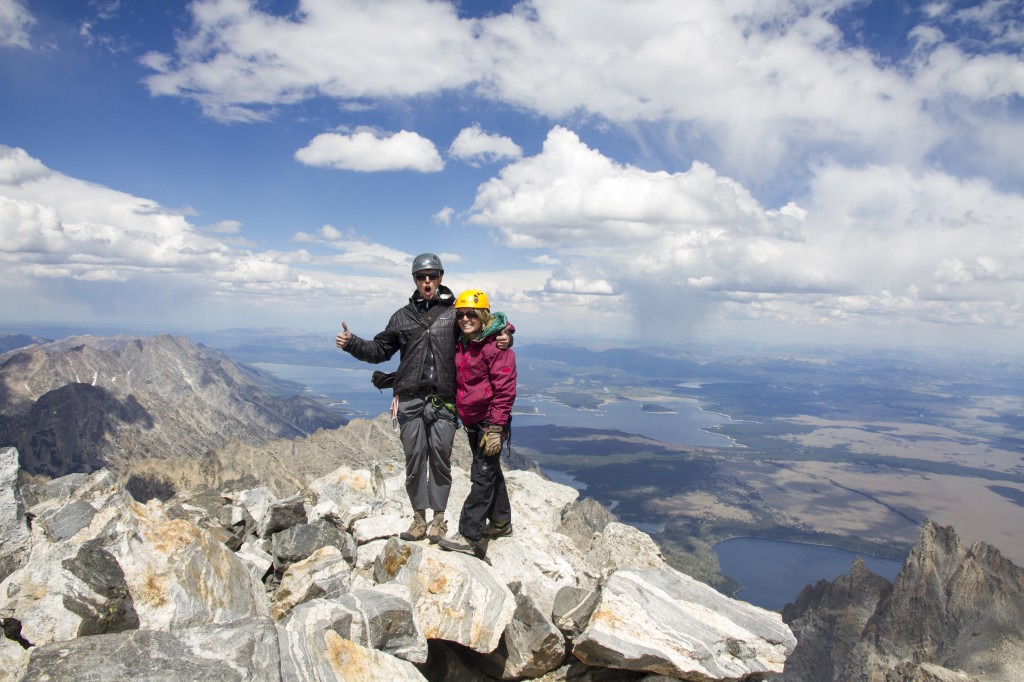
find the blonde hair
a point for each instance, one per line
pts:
(485, 317)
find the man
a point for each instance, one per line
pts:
(424, 332)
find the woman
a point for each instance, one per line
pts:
(485, 378)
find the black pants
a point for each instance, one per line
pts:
(488, 496)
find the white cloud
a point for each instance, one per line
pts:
(444, 216)
(946, 70)
(356, 251)
(369, 151)
(875, 242)
(473, 144)
(50, 216)
(225, 227)
(545, 260)
(239, 60)
(78, 250)
(999, 20)
(579, 285)
(885, 228)
(17, 167)
(15, 21)
(256, 270)
(570, 194)
(757, 87)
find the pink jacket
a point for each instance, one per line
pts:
(485, 379)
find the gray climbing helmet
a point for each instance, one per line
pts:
(427, 261)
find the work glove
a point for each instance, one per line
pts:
(490, 440)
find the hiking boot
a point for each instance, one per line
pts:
(438, 528)
(498, 530)
(457, 543)
(418, 528)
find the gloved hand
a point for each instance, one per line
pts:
(490, 440)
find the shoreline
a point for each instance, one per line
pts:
(808, 544)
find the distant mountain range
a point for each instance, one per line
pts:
(13, 341)
(150, 409)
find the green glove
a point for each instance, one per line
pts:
(490, 440)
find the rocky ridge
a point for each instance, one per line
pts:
(240, 584)
(12, 341)
(954, 613)
(152, 408)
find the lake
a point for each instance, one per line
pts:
(347, 391)
(773, 572)
(684, 424)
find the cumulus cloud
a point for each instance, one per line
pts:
(239, 61)
(937, 236)
(355, 250)
(689, 71)
(369, 151)
(56, 230)
(579, 285)
(570, 194)
(49, 216)
(15, 22)
(444, 216)
(874, 241)
(473, 144)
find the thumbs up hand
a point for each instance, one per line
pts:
(343, 337)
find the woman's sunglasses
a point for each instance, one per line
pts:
(471, 314)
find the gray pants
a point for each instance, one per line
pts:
(428, 433)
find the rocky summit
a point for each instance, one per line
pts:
(953, 614)
(239, 583)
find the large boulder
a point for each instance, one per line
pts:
(455, 597)
(329, 656)
(662, 621)
(66, 591)
(244, 650)
(378, 618)
(531, 645)
(13, 525)
(176, 574)
(179, 576)
(325, 573)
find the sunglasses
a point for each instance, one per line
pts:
(471, 314)
(433, 276)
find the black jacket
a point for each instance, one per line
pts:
(425, 357)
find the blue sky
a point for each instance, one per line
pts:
(663, 171)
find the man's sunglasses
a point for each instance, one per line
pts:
(433, 275)
(471, 314)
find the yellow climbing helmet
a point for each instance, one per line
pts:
(473, 298)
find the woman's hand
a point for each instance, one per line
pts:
(490, 440)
